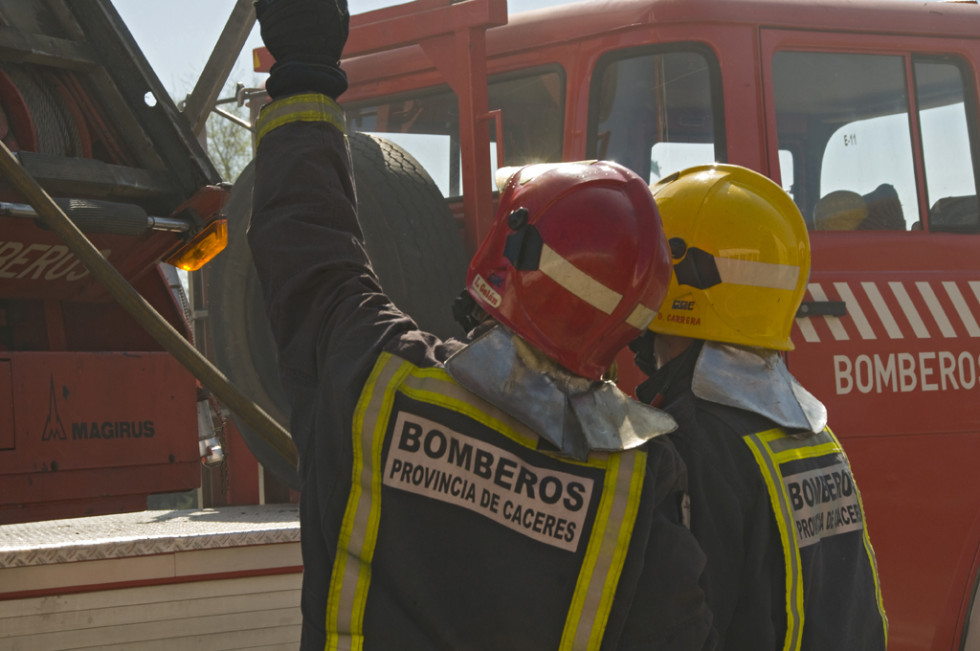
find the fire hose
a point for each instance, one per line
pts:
(52, 216)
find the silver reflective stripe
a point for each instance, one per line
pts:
(810, 440)
(757, 274)
(606, 554)
(351, 575)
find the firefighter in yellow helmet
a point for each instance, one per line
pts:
(773, 499)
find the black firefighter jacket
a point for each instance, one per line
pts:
(430, 519)
(790, 563)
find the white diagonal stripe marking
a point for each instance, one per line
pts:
(975, 288)
(833, 322)
(918, 327)
(966, 316)
(929, 296)
(855, 311)
(894, 332)
(807, 330)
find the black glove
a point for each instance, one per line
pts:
(306, 38)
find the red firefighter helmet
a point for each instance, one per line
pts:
(575, 262)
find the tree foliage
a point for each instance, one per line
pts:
(229, 144)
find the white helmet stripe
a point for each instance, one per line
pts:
(641, 317)
(589, 289)
(577, 281)
(757, 274)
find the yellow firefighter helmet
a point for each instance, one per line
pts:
(740, 253)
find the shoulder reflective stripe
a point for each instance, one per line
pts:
(311, 107)
(433, 385)
(778, 441)
(791, 550)
(606, 553)
(351, 575)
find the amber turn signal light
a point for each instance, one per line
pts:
(202, 248)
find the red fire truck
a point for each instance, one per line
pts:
(95, 415)
(865, 111)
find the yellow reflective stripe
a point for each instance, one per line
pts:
(791, 549)
(309, 107)
(774, 447)
(872, 559)
(351, 575)
(874, 571)
(606, 553)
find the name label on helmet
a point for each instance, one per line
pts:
(483, 288)
(429, 459)
(682, 319)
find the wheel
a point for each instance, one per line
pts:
(415, 247)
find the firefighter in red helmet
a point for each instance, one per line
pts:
(493, 492)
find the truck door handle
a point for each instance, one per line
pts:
(821, 308)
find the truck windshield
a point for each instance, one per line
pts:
(846, 141)
(654, 111)
(425, 124)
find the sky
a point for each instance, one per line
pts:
(178, 36)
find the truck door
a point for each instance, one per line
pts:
(656, 109)
(875, 137)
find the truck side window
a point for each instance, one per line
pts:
(654, 111)
(950, 176)
(425, 123)
(845, 119)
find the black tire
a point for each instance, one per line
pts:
(416, 249)
(415, 246)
